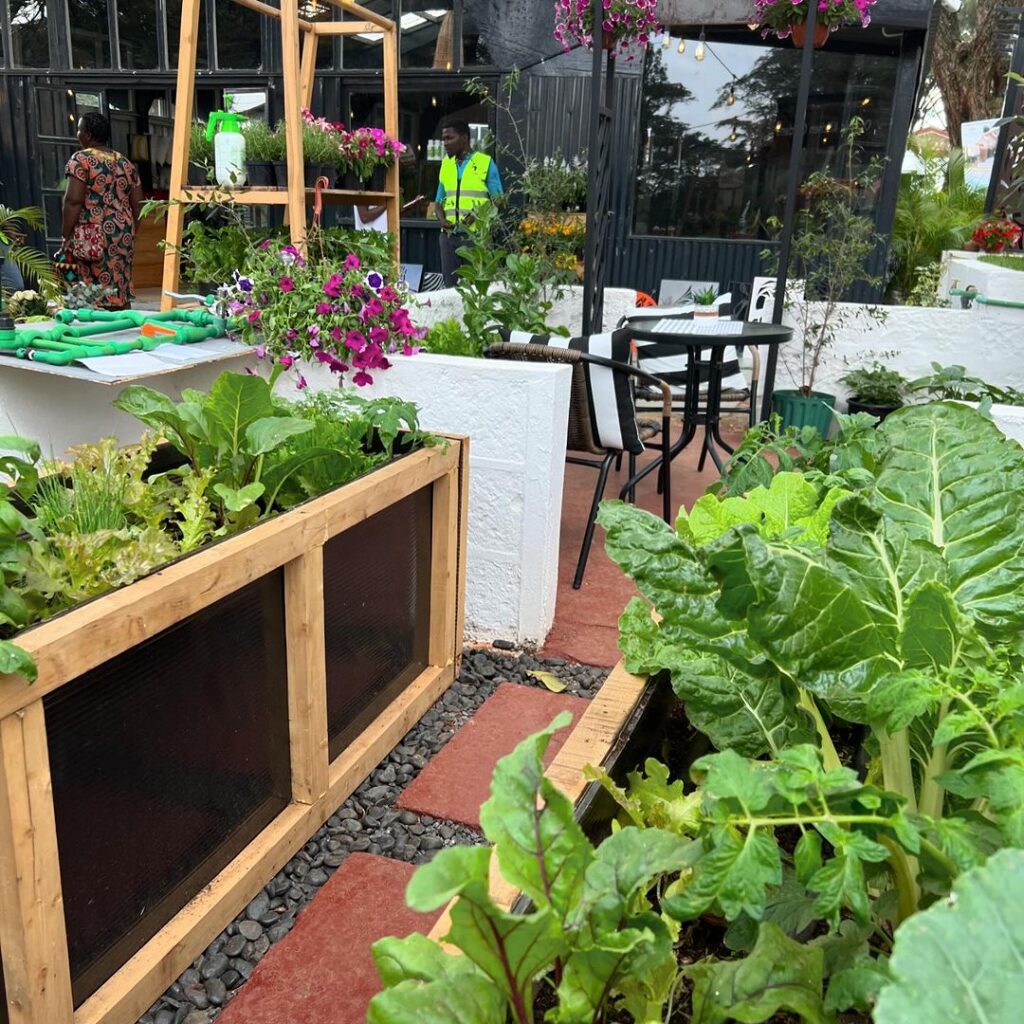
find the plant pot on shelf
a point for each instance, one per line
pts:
(260, 173)
(319, 170)
(880, 411)
(378, 180)
(799, 410)
(198, 174)
(799, 34)
(351, 182)
(281, 173)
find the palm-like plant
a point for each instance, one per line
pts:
(929, 220)
(14, 227)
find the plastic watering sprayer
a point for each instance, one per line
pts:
(228, 147)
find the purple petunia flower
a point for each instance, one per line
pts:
(245, 284)
(374, 280)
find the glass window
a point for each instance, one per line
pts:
(477, 16)
(715, 134)
(136, 30)
(30, 46)
(363, 51)
(174, 35)
(89, 26)
(420, 112)
(427, 34)
(239, 36)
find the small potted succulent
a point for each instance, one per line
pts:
(705, 302)
(788, 18)
(625, 23)
(875, 389)
(259, 152)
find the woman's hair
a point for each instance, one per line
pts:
(96, 126)
(457, 125)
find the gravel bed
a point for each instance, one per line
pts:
(367, 821)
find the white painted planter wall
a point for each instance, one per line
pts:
(983, 339)
(566, 311)
(966, 270)
(515, 415)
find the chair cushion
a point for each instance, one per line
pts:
(612, 410)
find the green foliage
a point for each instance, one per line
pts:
(261, 142)
(553, 183)
(15, 224)
(200, 148)
(961, 958)
(956, 384)
(876, 385)
(925, 291)
(705, 297)
(319, 146)
(592, 926)
(448, 338)
(26, 305)
(1001, 259)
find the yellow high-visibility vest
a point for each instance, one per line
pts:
(461, 196)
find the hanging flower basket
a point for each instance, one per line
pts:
(625, 23)
(786, 19)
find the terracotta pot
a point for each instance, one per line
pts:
(800, 34)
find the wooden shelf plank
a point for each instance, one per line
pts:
(275, 196)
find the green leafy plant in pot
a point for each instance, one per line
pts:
(832, 244)
(200, 155)
(875, 389)
(260, 152)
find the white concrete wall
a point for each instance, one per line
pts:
(515, 415)
(965, 270)
(567, 311)
(1010, 420)
(982, 339)
(60, 412)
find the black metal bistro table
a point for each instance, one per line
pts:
(671, 334)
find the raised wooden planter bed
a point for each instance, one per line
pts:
(188, 733)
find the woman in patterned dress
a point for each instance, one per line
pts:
(104, 189)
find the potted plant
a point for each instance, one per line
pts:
(368, 153)
(625, 23)
(876, 389)
(704, 302)
(278, 155)
(995, 234)
(784, 18)
(259, 152)
(319, 150)
(832, 245)
(200, 155)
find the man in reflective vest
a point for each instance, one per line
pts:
(468, 180)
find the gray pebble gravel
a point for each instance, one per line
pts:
(367, 821)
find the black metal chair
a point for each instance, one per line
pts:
(607, 431)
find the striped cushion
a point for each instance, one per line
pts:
(612, 411)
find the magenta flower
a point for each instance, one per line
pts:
(388, 294)
(301, 383)
(354, 340)
(333, 286)
(286, 361)
(254, 316)
(286, 284)
(378, 335)
(323, 308)
(260, 351)
(361, 379)
(351, 262)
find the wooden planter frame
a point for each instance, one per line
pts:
(298, 73)
(33, 937)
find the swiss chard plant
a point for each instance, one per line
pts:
(593, 932)
(905, 618)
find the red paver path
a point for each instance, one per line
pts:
(322, 972)
(458, 780)
(586, 620)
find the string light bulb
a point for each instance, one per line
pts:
(699, 53)
(731, 98)
(866, 101)
(778, 127)
(828, 127)
(433, 101)
(665, 41)
(732, 135)
(681, 48)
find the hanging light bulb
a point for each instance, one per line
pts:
(866, 101)
(681, 48)
(778, 127)
(828, 127)
(732, 135)
(433, 101)
(699, 53)
(731, 98)
(665, 41)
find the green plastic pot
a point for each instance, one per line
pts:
(800, 410)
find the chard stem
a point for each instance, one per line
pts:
(897, 773)
(829, 756)
(904, 869)
(933, 795)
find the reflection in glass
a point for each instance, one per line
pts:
(174, 35)
(136, 29)
(30, 47)
(239, 33)
(477, 18)
(428, 35)
(363, 51)
(708, 167)
(420, 113)
(90, 33)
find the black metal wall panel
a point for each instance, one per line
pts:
(166, 762)
(376, 613)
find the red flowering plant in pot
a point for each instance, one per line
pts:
(624, 23)
(367, 153)
(788, 18)
(996, 234)
(293, 309)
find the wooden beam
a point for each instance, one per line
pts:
(307, 675)
(133, 989)
(310, 45)
(272, 12)
(68, 645)
(184, 98)
(390, 46)
(444, 569)
(460, 608)
(293, 121)
(346, 28)
(362, 12)
(37, 975)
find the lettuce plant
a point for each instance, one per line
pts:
(906, 618)
(591, 929)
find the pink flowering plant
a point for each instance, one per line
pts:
(292, 310)
(361, 150)
(777, 17)
(626, 21)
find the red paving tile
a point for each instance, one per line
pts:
(322, 971)
(585, 627)
(458, 780)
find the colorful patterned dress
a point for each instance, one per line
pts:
(109, 182)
